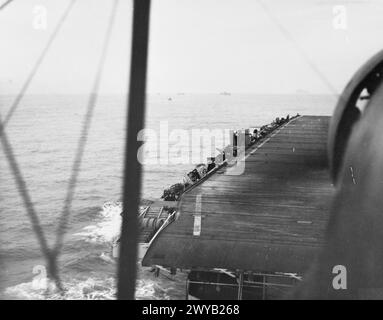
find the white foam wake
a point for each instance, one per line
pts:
(89, 289)
(107, 230)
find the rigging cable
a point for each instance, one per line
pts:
(303, 53)
(6, 3)
(52, 254)
(84, 133)
(28, 204)
(36, 66)
(15, 168)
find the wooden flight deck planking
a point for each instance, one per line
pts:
(270, 218)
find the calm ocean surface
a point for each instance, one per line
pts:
(44, 133)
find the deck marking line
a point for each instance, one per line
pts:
(272, 135)
(197, 217)
(352, 175)
(304, 222)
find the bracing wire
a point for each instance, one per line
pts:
(5, 4)
(84, 133)
(303, 53)
(36, 66)
(28, 204)
(51, 255)
(22, 187)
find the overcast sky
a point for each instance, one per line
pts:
(195, 45)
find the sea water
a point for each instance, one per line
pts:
(44, 133)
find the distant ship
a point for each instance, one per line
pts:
(225, 93)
